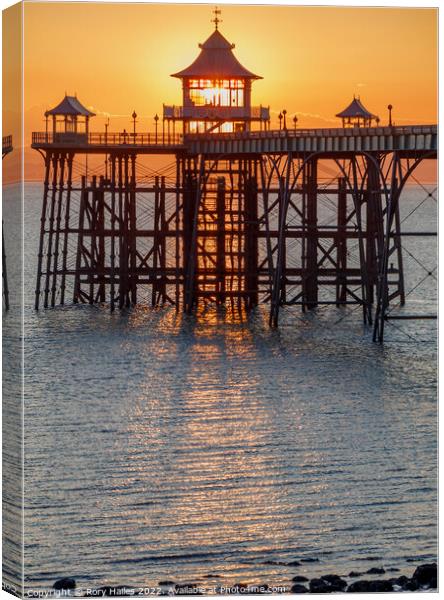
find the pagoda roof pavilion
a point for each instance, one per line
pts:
(216, 61)
(72, 107)
(355, 110)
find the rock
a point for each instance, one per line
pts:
(319, 586)
(299, 579)
(381, 586)
(327, 584)
(335, 581)
(426, 575)
(376, 571)
(67, 583)
(294, 563)
(355, 574)
(297, 588)
(400, 581)
(411, 585)
(370, 586)
(359, 586)
(167, 582)
(392, 570)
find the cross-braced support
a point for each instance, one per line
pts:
(235, 230)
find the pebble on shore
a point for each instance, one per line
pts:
(423, 578)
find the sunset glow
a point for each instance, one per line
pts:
(119, 58)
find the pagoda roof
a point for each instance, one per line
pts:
(356, 109)
(70, 106)
(216, 61)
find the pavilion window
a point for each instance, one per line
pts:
(217, 92)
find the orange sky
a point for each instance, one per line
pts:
(118, 58)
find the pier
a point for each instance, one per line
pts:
(6, 149)
(236, 220)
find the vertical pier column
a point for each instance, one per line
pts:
(58, 219)
(383, 295)
(159, 243)
(66, 231)
(80, 239)
(190, 208)
(283, 184)
(50, 232)
(155, 285)
(48, 161)
(113, 218)
(251, 242)
(99, 204)
(311, 218)
(220, 241)
(341, 255)
(375, 228)
(133, 232)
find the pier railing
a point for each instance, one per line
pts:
(6, 144)
(318, 132)
(108, 139)
(165, 139)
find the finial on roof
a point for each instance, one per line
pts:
(217, 12)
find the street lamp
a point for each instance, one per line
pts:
(280, 120)
(156, 118)
(134, 116)
(106, 142)
(295, 122)
(46, 125)
(284, 112)
(390, 107)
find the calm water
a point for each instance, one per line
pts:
(159, 447)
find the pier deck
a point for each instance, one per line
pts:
(408, 139)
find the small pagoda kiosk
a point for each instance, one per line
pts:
(70, 119)
(356, 115)
(216, 91)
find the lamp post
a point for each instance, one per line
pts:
(284, 112)
(280, 120)
(295, 122)
(156, 118)
(134, 116)
(390, 107)
(106, 130)
(106, 142)
(46, 126)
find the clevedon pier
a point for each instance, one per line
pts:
(236, 219)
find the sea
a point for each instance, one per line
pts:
(212, 450)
